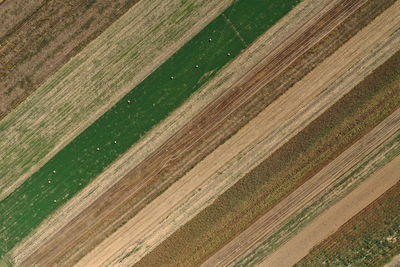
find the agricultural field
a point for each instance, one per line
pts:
(187, 133)
(273, 179)
(61, 30)
(370, 237)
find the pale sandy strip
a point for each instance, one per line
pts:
(74, 97)
(395, 262)
(225, 79)
(309, 192)
(270, 129)
(330, 221)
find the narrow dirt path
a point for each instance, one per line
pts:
(330, 221)
(395, 262)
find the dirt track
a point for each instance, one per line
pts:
(330, 221)
(276, 62)
(308, 192)
(141, 232)
(395, 262)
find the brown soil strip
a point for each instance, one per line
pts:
(46, 39)
(309, 192)
(13, 13)
(280, 174)
(395, 262)
(370, 238)
(276, 124)
(330, 221)
(341, 187)
(233, 98)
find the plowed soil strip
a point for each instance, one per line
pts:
(330, 221)
(331, 24)
(138, 233)
(14, 12)
(308, 192)
(342, 187)
(378, 94)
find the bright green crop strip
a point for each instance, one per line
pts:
(151, 101)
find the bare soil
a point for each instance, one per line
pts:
(14, 13)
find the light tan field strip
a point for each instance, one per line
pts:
(395, 262)
(330, 221)
(277, 123)
(230, 74)
(75, 97)
(309, 192)
(78, 226)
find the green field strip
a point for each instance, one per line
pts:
(150, 102)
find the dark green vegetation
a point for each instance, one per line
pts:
(371, 238)
(150, 102)
(295, 162)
